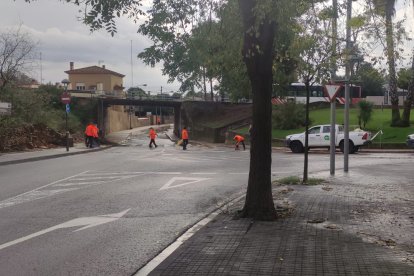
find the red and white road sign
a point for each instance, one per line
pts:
(65, 98)
(332, 90)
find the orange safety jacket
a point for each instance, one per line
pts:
(89, 130)
(184, 134)
(238, 138)
(152, 134)
(95, 131)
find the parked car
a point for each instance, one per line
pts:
(319, 137)
(410, 140)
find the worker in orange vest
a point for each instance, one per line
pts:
(89, 132)
(91, 135)
(184, 136)
(95, 134)
(239, 139)
(152, 134)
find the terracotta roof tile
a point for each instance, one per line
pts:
(93, 70)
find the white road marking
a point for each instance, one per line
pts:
(203, 173)
(78, 183)
(239, 173)
(95, 178)
(86, 222)
(114, 173)
(34, 195)
(165, 173)
(188, 180)
(34, 190)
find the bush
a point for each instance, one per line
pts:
(290, 115)
(365, 112)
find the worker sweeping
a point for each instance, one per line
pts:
(184, 136)
(239, 139)
(91, 135)
(152, 135)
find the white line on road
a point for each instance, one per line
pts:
(36, 194)
(86, 222)
(203, 173)
(78, 183)
(187, 181)
(34, 190)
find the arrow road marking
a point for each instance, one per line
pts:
(189, 180)
(86, 222)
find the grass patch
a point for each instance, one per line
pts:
(290, 180)
(380, 120)
(315, 181)
(295, 180)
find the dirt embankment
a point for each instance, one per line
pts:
(30, 137)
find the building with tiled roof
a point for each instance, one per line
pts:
(94, 79)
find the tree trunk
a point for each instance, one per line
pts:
(258, 57)
(408, 103)
(389, 11)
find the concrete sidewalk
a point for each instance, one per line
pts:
(350, 225)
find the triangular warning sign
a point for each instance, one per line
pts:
(332, 90)
(181, 181)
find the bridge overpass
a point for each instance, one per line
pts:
(208, 120)
(105, 102)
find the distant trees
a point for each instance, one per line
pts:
(370, 79)
(17, 50)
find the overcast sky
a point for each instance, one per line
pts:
(62, 38)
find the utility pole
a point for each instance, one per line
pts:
(347, 83)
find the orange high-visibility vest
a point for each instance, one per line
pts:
(238, 138)
(89, 130)
(152, 134)
(95, 131)
(184, 134)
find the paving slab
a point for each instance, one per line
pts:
(338, 228)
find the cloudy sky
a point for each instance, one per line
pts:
(62, 38)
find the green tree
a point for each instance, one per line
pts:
(370, 79)
(314, 51)
(365, 113)
(385, 8)
(290, 115)
(407, 80)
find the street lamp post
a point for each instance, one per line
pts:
(66, 100)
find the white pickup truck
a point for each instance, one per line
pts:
(319, 137)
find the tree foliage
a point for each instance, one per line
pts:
(290, 115)
(98, 14)
(365, 113)
(370, 79)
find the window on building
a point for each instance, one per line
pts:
(80, 86)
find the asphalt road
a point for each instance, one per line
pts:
(110, 212)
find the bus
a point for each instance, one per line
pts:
(318, 94)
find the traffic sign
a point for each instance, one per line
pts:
(65, 98)
(67, 108)
(332, 90)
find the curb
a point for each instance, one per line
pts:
(31, 159)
